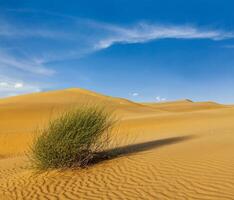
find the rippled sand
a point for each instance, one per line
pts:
(175, 150)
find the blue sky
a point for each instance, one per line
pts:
(141, 50)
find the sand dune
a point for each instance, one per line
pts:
(172, 150)
(185, 105)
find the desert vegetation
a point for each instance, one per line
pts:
(73, 138)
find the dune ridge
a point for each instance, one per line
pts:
(178, 150)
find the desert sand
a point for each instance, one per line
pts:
(172, 150)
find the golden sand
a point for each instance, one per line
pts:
(181, 150)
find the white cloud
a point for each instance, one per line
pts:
(19, 85)
(10, 87)
(160, 99)
(135, 94)
(4, 84)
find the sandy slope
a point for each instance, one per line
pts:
(183, 150)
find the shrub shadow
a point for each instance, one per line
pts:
(136, 148)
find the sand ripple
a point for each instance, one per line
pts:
(188, 169)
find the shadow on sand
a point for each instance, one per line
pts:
(128, 150)
(136, 148)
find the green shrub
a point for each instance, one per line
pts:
(73, 138)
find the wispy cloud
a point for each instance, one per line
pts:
(230, 46)
(79, 37)
(15, 30)
(22, 63)
(145, 32)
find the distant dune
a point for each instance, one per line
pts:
(185, 105)
(178, 150)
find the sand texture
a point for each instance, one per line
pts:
(173, 150)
